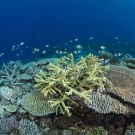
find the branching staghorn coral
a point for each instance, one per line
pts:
(66, 79)
(10, 73)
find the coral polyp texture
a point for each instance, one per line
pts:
(65, 80)
(97, 131)
(36, 104)
(27, 127)
(105, 104)
(123, 80)
(130, 129)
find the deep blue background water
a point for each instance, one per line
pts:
(59, 21)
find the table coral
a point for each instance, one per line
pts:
(65, 79)
(123, 80)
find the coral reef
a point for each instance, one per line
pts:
(6, 92)
(10, 73)
(100, 103)
(122, 79)
(109, 105)
(8, 124)
(10, 108)
(27, 127)
(66, 79)
(105, 55)
(97, 131)
(114, 61)
(105, 104)
(130, 129)
(36, 104)
(129, 60)
(10, 94)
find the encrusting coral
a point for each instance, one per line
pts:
(8, 124)
(65, 80)
(97, 131)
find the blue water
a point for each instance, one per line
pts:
(59, 21)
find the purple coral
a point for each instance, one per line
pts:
(8, 124)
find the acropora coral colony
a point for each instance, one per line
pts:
(66, 79)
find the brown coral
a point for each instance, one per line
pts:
(122, 79)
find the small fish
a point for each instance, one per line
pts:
(44, 51)
(117, 54)
(36, 49)
(13, 46)
(2, 53)
(66, 43)
(105, 61)
(102, 47)
(58, 52)
(101, 51)
(17, 54)
(90, 38)
(12, 49)
(76, 39)
(33, 51)
(22, 43)
(116, 37)
(79, 46)
(47, 45)
(77, 51)
(71, 41)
